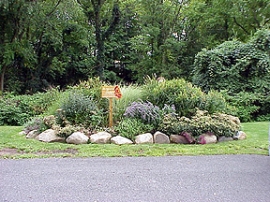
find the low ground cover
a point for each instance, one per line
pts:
(13, 145)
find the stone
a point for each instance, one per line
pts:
(240, 135)
(146, 138)
(32, 134)
(224, 139)
(50, 135)
(119, 140)
(179, 139)
(161, 138)
(189, 137)
(207, 138)
(22, 133)
(77, 138)
(101, 138)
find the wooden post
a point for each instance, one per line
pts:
(110, 112)
(111, 92)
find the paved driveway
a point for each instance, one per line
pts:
(202, 178)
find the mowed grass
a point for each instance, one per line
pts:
(13, 145)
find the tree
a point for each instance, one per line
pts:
(158, 46)
(14, 31)
(104, 27)
(235, 66)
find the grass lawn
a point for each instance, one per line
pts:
(12, 145)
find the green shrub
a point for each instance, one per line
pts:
(184, 96)
(246, 104)
(13, 111)
(80, 109)
(131, 127)
(18, 109)
(92, 88)
(36, 123)
(217, 123)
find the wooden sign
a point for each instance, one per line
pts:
(111, 92)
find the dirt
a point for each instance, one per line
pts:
(12, 152)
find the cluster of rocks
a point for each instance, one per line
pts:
(50, 135)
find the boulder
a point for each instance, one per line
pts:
(32, 134)
(77, 138)
(179, 139)
(146, 138)
(50, 135)
(207, 138)
(189, 137)
(101, 138)
(119, 140)
(224, 139)
(22, 133)
(161, 138)
(240, 135)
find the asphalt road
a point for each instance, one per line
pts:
(142, 179)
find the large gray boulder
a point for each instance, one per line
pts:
(77, 138)
(50, 135)
(146, 138)
(101, 138)
(161, 138)
(119, 140)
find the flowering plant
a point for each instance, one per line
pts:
(147, 112)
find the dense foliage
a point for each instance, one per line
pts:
(242, 70)
(60, 42)
(184, 96)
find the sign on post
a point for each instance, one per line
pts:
(111, 92)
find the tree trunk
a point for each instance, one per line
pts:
(2, 79)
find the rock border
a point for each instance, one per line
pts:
(147, 138)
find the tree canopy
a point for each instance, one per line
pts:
(60, 42)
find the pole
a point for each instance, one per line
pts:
(110, 112)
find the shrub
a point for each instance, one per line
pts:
(131, 93)
(92, 88)
(147, 112)
(131, 127)
(184, 96)
(13, 111)
(18, 109)
(217, 123)
(245, 103)
(80, 109)
(36, 123)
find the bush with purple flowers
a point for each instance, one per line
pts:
(147, 112)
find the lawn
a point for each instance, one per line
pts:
(12, 145)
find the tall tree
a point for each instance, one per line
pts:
(104, 27)
(158, 46)
(15, 16)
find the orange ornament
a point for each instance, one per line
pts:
(117, 92)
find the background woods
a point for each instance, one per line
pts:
(58, 43)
